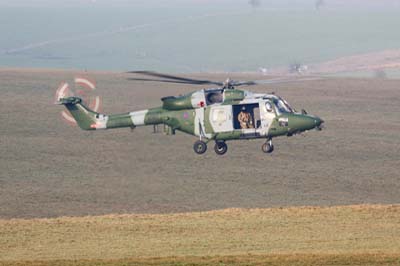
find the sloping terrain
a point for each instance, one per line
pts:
(50, 169)
(373, 61)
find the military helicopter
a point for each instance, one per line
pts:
(216, 114)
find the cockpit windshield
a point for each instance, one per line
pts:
(282, 106)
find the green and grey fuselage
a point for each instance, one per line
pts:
(210, 114)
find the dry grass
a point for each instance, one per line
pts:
(240, 260)
(315, 232)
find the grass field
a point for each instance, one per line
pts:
(239, 260)
(350, 235)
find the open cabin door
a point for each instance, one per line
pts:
(247, 119)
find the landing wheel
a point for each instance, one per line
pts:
(267, 147)
(200, 147)
(220, 147)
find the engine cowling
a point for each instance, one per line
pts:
(177, 102)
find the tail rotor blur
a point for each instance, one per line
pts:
(84, 88)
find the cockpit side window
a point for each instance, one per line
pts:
(268, 107)
(282, 106)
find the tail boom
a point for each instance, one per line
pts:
(90, 120)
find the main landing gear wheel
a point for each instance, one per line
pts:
(267, 147)
(220, 147)
(200, 147)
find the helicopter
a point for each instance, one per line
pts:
(218, 114)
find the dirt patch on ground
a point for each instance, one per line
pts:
(364, 62)
(374, 61)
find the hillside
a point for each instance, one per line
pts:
(50, 169)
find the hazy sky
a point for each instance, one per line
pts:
(191, 35)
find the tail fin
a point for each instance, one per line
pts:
(85, 117)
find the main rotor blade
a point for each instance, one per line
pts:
(164, 80)
(275, 81)
(171, 78)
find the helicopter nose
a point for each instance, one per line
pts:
(318, 123)
(302, 123)
(306, 122)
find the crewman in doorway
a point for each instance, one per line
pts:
(245, 119)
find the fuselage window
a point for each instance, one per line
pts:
(214, 97)
(219, 116)
(268, 106)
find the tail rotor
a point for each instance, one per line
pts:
(84, 88)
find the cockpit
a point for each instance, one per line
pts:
(282, 106)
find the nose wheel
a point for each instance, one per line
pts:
(200, 147)
(220, 147)
(267, 147)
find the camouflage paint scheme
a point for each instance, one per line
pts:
(209, 114)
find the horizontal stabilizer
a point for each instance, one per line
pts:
(69, 100)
